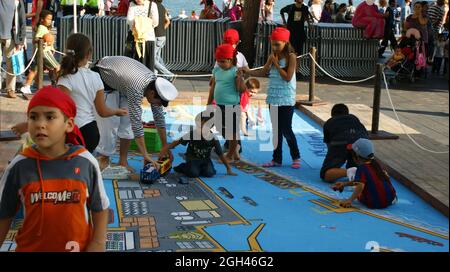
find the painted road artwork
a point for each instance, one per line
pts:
(281, 209)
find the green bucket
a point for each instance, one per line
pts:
(152, 141)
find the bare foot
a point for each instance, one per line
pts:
(127, 166)
(103, 162)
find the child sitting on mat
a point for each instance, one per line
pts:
(200, 142)
(373, 187)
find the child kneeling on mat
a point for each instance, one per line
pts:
(373, 187)
(200, 142)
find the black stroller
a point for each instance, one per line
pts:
(414, 64)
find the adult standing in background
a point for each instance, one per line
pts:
(436, 15)
(211, 11)
(382, 6)
(36, 7)
(418, 21)
(268, 10)
(122, 7)
(298, 13)
(429, 43)
(388, 28)
(327, 12)
(406, 11)
(108, 6)
(350, 10)
(144, 52)
(12, 37)
(94, 7)
(340, 15)
(160, 33)
(316, 10)
(67, 6)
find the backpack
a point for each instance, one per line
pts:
(142, 25)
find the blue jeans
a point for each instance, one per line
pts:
(281, 116)
(159, 62)
(196, 168)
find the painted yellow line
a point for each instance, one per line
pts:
(119, 205)
(252, 239)
(219, 247)
(295, 193)
(117, 229)
(320, 212)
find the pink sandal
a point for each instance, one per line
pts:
(296, 164)
(271, 164)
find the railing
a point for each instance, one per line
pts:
(190, 44)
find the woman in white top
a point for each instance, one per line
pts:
(316, 10)
(85, 87)
(268, 10)
(146, 52)
(350, 10)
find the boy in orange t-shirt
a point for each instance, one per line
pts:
(56, 181)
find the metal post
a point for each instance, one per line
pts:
(40, 63)
(75, 27)
(312, 82)
(376, 99)
(312, 75)
(375, 133)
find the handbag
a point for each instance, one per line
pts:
(18, 62)
(421, 61)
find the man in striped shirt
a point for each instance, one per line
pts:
(135, 81)
(436, 15)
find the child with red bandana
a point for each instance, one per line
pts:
(227, 84)
(57, 181)
(281, 93)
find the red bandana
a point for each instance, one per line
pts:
(280, 34)
(50, 96)
(225, 51)
(231, 36)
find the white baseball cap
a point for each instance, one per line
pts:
(166, 90)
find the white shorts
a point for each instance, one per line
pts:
(112, 127)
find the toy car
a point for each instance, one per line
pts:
(149, 174)
(165, 166)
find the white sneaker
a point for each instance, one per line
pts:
(25, 89)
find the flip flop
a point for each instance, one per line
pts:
(296, 164)
(271, 164)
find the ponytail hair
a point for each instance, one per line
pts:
(379, 170)
(78, 48)
(378, 167)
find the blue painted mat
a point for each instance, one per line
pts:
(301, 219)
